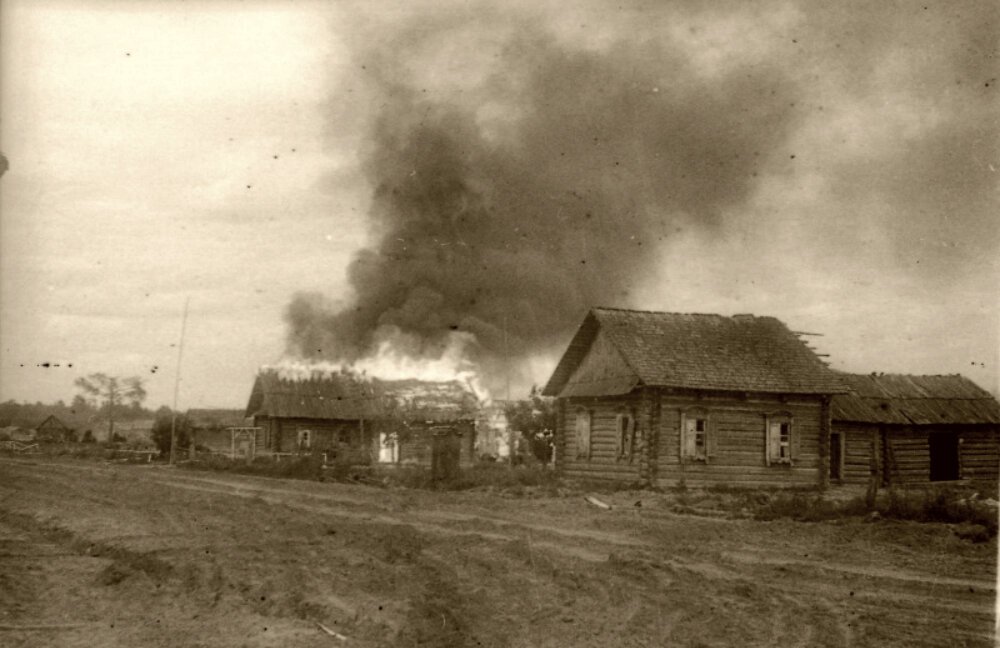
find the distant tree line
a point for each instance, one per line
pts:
(103, 399)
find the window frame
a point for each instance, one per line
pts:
(625, 436)
(785, 423)
(697, 414)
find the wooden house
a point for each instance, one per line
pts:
(914, 430)
(53, 430)
(667, 397)
(321, 412)
(377, 420)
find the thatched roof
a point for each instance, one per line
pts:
(740, 353)
(914, 400)
(345, 396)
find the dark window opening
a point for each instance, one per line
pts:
(944, 457)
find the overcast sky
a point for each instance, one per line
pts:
(160, 151)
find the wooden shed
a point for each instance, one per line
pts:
(387, 421)
(914, 430)
(704, 399)
(53, 430)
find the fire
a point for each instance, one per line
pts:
(389, 363)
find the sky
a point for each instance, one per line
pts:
(830, 164)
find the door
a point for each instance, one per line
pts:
(944, 456)
(836, 457)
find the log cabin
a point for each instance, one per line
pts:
(908, 430)
(385, 421)
(53, 430)
(668, 398)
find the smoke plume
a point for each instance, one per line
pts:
(518, 189)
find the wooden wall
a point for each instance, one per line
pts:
(979, 453)
(907, 459)
(736, 440)
(282, 434)
(416, 448)
(603, 462)
(857, 450)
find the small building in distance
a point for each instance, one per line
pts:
(210, 428)
(52, 430)
(666, 398)
(914, 430)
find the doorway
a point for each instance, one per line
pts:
(836, 456)
(944, 456)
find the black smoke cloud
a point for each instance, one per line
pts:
(507, 204)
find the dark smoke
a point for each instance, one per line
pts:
(507, 207)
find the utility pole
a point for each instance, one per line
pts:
(177, 385)
(511, 441)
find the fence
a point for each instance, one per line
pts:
(21, 447)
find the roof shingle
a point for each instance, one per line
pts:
(899, 399)
(696, 351)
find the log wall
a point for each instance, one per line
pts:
(603, 462)
(907, 457)
(736, 441)
(979, 453)
(857, 450)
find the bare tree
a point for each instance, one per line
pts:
(113, 392)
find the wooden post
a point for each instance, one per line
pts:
(559, 443)
(824, 443)
(649, 423)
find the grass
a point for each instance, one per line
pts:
(947, 505)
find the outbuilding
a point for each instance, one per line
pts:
(914, 430)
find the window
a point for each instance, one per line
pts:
(779, 439)
(582, 434)
(624, 435)
(694, 435)
(305, 439)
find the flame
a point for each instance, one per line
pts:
(389, 363)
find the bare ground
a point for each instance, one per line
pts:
(119, 555)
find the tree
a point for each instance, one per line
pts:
(163, 428)
(535, 419)
(113, 392)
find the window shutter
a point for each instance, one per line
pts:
(584, 434)
(619, 434)
(793, 443)
(630, 437)
(690, 438)
(767, 441)
(681, 434)
(709, 438)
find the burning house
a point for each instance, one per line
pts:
(388, 421)
(666, 397)
(914, 430)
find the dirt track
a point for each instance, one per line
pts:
(99, 555)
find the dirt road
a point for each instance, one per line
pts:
(107, 555)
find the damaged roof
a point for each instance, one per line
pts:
(698, 351)
(345, 396)
(899, 399)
